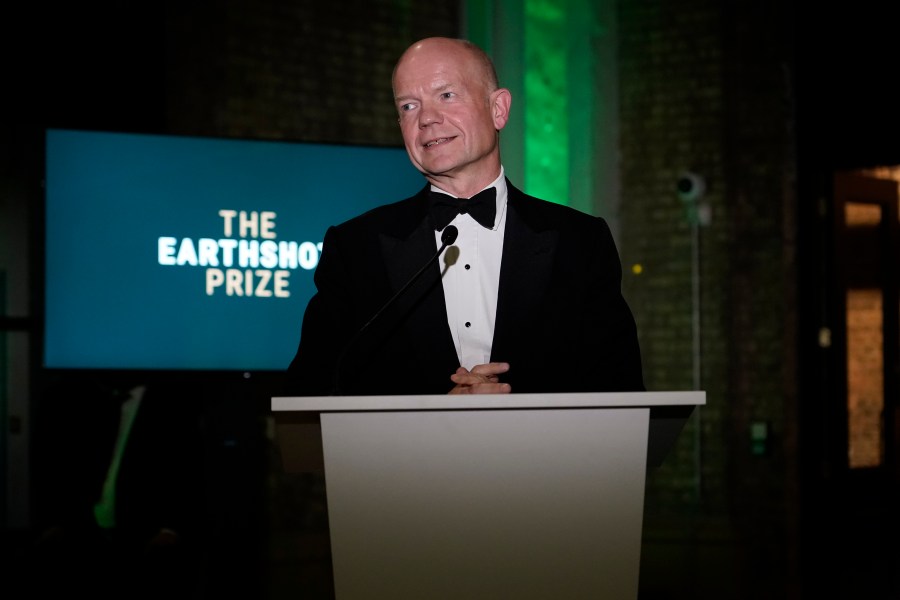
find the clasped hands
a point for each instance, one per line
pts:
(482, 379)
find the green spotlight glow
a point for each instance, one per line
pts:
(557, 57)
(546, 101)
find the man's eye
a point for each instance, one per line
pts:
(406, 107)
(446, 95)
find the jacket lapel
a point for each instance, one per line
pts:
(524, 275)
(425, 322)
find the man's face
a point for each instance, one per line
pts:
(448, 117)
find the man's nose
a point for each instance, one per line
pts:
(428, 115)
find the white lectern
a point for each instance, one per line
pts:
(516, 496)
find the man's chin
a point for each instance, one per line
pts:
(437, 168)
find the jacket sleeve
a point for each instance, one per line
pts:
(326, 327)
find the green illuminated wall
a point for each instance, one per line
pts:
(557, 58)
(547, 101)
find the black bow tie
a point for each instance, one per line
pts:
(482, 207)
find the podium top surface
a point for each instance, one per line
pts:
(486, 401)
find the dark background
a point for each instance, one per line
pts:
(182, 68)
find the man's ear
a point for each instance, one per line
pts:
(501, 99)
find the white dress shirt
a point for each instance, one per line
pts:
(471, 277)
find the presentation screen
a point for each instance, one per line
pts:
(188, 253)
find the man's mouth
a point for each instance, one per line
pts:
(437, 142)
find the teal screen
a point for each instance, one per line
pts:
(171, 253)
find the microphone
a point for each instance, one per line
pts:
(448, 236)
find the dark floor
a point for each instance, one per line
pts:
(862, 562)
(302, 571)
(285, 554)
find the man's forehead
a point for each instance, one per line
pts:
(439, 79)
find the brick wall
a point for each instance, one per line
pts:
(704, 88)
(307, 71)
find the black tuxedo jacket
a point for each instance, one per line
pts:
(562, 323)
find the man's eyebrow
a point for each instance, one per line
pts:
(437, 88)
(440, 87)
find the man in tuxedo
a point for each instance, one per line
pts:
(527, 297)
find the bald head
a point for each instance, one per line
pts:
(465, 51)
